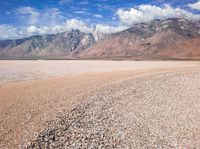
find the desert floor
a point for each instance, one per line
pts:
(104, 104)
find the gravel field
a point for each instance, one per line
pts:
(155, 111)
(99, 104)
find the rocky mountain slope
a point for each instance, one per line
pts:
(62, 45)
(158, 39)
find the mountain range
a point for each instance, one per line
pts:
(159, 39)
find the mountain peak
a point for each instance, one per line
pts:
(168, 38)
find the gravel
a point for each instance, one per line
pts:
(155, 111)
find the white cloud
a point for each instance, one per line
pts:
(72, 24)
(98, 16)
(30, 13)
(37, 30)
(10, 32)
(78, 24)
(195, 6)
(84, 27)
(145, 13)
(48, 16)
(69, 25)
(109, 29)
(51, 16)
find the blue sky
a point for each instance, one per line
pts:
(22, 18)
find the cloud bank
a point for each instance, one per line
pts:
(52, 20)
(146, 13)
(74, 24)
(195, 6)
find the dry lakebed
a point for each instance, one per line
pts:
(93, 104)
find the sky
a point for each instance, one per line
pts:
(24, 18)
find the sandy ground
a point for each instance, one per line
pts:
(33, 93)
(26, 70)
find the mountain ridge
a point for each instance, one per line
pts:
(159, 39)
(50, 45)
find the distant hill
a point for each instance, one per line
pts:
(158, 39)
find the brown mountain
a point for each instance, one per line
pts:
(159, 39)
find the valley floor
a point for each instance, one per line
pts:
(109, 104)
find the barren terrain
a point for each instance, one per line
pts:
(105, 104)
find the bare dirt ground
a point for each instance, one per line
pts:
(107, 104)
(26, 70)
